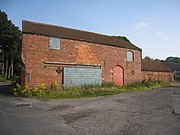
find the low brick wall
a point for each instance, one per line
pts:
(164, 76)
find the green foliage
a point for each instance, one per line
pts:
(15, 79)
(175, 82)
(3, 78)
(151, 59)
(146, 85)
(148, 58)
(108, 84)
(10, 35)
(10, 42)
(173, 59)
(168, 59)
(122, 38)
(42, 91)
(88, 90)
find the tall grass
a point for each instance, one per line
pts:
(105, 89)
(87, 90)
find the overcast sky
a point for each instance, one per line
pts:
(153, 25)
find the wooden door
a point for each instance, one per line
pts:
(118, 75)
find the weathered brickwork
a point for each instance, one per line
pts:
(164, 76)
(35, 52)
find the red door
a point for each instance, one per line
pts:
(118, 75)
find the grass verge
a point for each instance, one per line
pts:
(176, 83)
(3, 79)
(105, 89)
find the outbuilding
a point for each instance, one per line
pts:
(175, 68)
(155, 70)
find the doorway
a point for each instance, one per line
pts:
(118, 75)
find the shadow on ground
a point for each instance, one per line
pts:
(5, 89)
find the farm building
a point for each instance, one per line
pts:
(175, 68)
(153, 70)
(74, 57)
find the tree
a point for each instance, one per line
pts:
(10, 43)
(173, 59)
(148, 58)
(159, 60)
(122, 38)
(151, 59)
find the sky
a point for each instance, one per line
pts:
(152, 25)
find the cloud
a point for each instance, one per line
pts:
(141, 25)
(161, 34)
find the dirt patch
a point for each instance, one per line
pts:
(72, 117)
(60, 107)
(119, 100)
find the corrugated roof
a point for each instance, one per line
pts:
(173, 66)
(155, 66)
(51, 30)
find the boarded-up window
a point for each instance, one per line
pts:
(54, 43)
(130, 56)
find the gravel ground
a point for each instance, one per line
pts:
(132, 113)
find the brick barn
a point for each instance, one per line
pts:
(154, 70)
(74, 57)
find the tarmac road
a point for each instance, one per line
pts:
(154, 112)
(19, 117)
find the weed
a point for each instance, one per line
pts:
(86, 90)
(108, 84)
(3, 78)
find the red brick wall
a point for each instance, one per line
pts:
(164, 76)
(35, 52)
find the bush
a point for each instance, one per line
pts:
(3, 78)
(155, 84)
(15, 79)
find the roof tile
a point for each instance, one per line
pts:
(155, 66)
(51, 30)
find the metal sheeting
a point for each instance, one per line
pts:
(80, 75)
